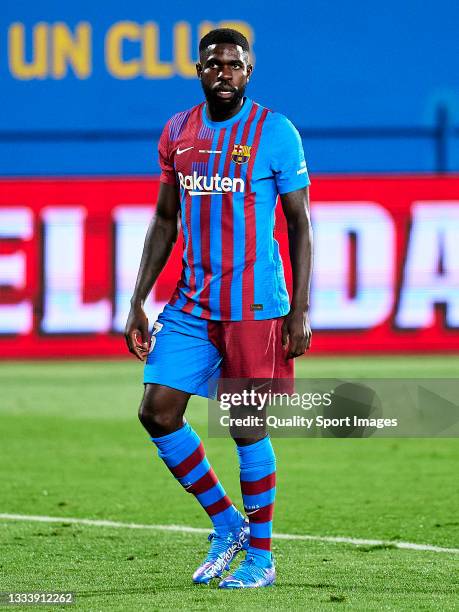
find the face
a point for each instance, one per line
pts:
(224, 72)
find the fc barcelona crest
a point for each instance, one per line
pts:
(240, 154)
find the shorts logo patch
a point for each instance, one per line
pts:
(241, 154)
(157, 327)
(256, 306)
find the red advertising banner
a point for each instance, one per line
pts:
(386, 274)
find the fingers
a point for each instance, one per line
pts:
(136, 345)
(299, 344)
(142, 345)
(299, 337)
(145, 336)
(284, 335)
(136, 334)
(296, 349)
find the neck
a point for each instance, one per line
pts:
(216, 112)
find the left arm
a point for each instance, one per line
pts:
(296, 330)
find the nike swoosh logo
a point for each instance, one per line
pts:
(260, 386)
(180, 151)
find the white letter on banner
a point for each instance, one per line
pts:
(64, 310)
(15, 223)
(131, 224)
(331, 306)
(434, 238)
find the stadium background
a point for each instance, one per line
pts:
(86, 90)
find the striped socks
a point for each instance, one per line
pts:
(258, 486)
(183, 453)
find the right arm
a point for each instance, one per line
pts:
(160, 238)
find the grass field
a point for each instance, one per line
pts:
(72, 447)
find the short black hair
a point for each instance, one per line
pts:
(223, 35)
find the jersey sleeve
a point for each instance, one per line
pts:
(287, 159)
(165, 160)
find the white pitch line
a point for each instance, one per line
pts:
(186, 529)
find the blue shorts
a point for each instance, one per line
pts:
(182, 356)
(190, 353)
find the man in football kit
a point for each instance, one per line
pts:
(223, 164)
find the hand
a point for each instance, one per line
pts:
(136, 333)
(296, 333)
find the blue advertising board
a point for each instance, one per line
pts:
(87, 86)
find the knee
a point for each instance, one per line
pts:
(158, 416)
(248, 441)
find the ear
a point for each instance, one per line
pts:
(249, 71)
(199, 69)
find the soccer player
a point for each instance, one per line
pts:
(223, 164)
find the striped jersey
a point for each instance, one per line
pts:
(229, 174)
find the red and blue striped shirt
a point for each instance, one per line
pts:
(229, 175)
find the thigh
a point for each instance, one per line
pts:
(159, 397)
(182, 356)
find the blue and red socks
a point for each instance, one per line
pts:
(183, 453)
(258, 486)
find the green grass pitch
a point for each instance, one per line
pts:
(71, 446)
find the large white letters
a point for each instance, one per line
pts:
(343, 296)
(15, 318)
(64, 310)
(332, 307)
(434, 238)
(131, 223)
